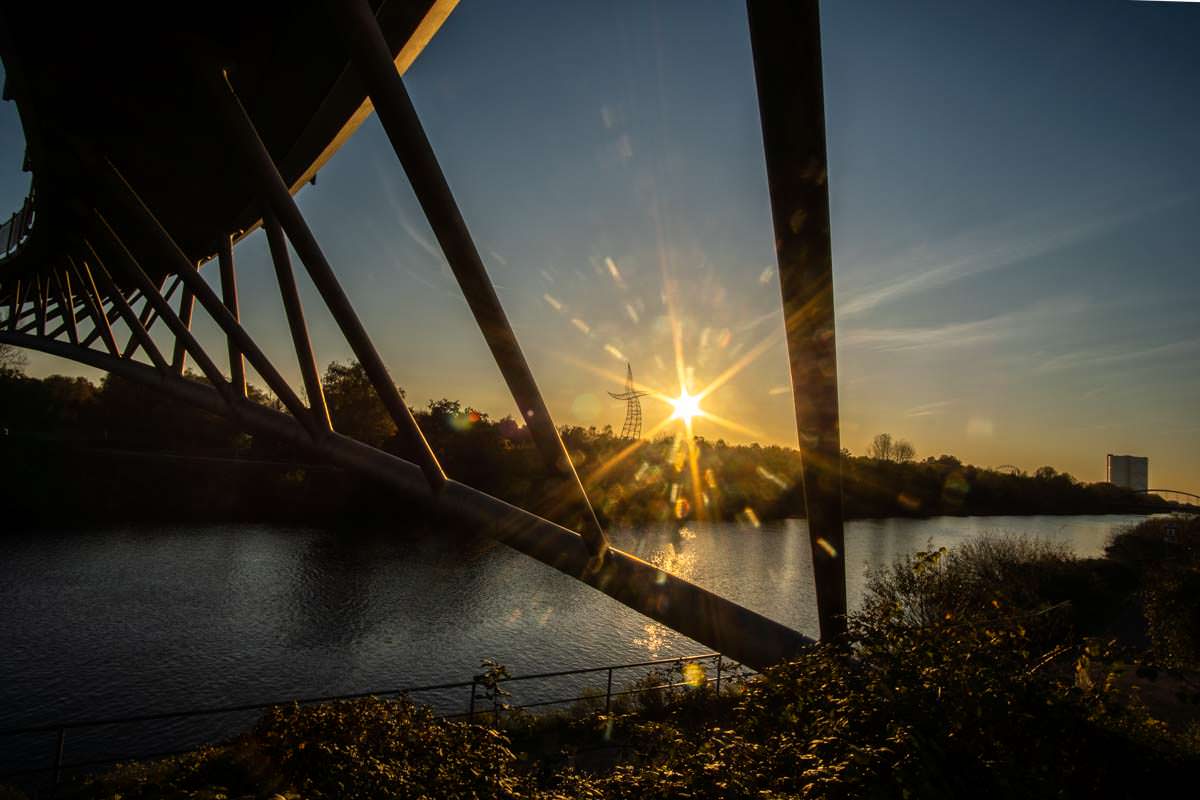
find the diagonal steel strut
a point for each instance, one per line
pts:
(786, 40)
(372, 58)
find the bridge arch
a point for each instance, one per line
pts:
(1192, 498)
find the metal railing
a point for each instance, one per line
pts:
(723, 669)
(17, 227)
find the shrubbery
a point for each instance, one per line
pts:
(106, 427)
(1165, 555)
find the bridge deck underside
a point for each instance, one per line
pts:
(126, 85)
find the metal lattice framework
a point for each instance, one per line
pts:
(632, 427)
(153, 150)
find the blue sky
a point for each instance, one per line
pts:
(1014, 200)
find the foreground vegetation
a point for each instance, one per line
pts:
(85, 451)
(1001, 669)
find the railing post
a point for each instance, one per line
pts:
(608, 693)
(58, 755)
(719, 657)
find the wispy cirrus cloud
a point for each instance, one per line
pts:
(928, 409)
(987, 331)
(1110, 357)
(976, 252)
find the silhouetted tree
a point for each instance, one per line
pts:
(12, 360)
(881, 447)
(354, 407)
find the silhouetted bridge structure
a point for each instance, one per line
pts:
(1176, 496)
(154, 149)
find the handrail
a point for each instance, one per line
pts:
(61, 728)
(199, 712)
(18, 227)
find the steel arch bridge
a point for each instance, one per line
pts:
(154, 149)
(1177, 496)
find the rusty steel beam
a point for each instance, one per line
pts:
(786, 41)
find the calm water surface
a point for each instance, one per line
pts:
(125, 620)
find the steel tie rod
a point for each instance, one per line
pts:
(372, 58)
(241, 130)
(295, 317)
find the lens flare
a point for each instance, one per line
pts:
(686, 406)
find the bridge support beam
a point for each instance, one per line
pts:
(66, 304)
(187, 302)
(786, 40)
(279, 201)
(372, 59)
(295, 317)
(95, 306)
(124, 197)
(149, 315)
(137, 332)
(237, 365)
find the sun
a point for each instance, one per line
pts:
(686, 407)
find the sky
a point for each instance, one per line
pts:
(1014, 203)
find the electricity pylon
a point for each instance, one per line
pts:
(632, 429)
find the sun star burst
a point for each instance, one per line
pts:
(686, 406)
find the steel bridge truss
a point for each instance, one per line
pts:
(68, 308)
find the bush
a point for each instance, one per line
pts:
(976, 582)
(1169, 575)
(1172, 607)
(371, 749)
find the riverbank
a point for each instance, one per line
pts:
(1002, 668)
(52, 482)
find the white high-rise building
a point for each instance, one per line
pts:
(1129, 472)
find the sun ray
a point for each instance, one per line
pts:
(733, 426)
(744, 361)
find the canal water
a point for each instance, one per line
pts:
(125, 620)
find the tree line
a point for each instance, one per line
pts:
(115, 451)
